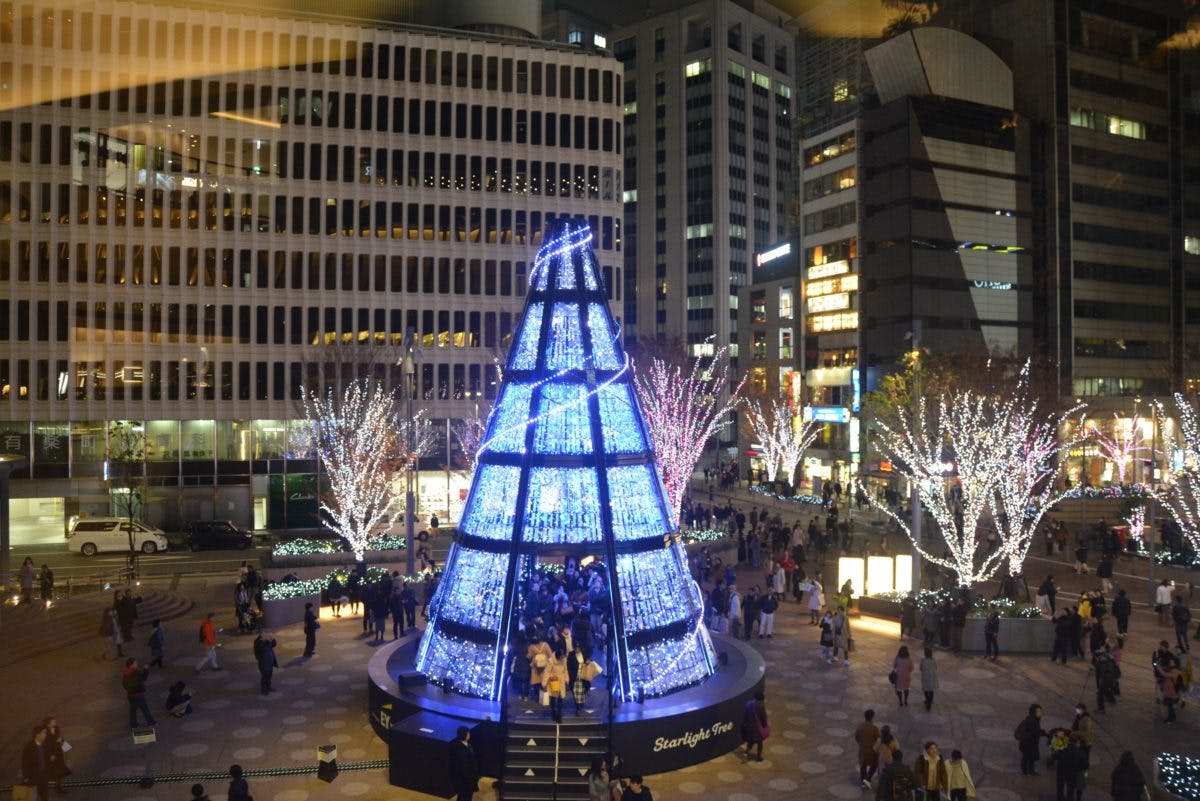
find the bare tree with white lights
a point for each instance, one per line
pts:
(774, 427)
(976, 453)
(361, 439)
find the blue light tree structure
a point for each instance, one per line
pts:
(566, 468)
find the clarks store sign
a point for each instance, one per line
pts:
(693, 738)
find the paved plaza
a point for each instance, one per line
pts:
(814, 708)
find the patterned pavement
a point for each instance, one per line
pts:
(814, 708)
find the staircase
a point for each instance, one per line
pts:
(547, 761)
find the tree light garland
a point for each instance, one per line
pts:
(360, 438)
(682, 411)
(783, 445)
(1182, 497)
(996, 455)
(1122, 447)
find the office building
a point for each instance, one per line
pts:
(203, 210)
(709, 161)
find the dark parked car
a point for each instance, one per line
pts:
(217, 534)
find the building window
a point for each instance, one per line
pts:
(786, 303)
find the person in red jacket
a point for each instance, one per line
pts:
(208, 640)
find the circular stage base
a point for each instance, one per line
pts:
(687, 727)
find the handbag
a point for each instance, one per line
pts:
(892, 677)
(23, 792)
(544, 697)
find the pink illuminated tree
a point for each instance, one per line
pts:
(1122, 447)
(683, 408)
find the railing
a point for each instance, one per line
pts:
(72, 585)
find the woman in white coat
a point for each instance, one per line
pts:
(816, 601)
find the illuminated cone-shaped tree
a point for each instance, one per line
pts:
(566, 468)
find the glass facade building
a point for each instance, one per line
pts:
(202, 212)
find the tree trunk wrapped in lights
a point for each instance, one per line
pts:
(469, 434)
(361, 439)
(684, 408)
(1182, 497)
(1122, 447)
(774, 427)
(1027, 486)
(978, 452)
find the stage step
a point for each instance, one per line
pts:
(549, 762)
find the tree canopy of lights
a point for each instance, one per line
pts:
(975, 454)
(469, 434)
(1027, 488)
(1182, 497)
(783, 439)
(1122, 447)
(683, 408)
(362, 441)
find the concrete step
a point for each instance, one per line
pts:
(29, 632)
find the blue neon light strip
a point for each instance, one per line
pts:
(565, 347)
(590, 270)
(476, 596)
(563, 507)
(621, 431)
(636, 511)
(493, 502)
(507, 434)
(604, 351)
(568, 430)
(526, 353)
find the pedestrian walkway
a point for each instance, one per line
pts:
(813, 709)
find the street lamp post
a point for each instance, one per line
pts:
(410, 373)
(914, 497)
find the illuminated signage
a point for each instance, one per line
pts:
(993, 284)
(828, 414)
(847, 283)
(856, 385)
(824, 303)
(774, 253)
(826, 270)
(855, 435)
(833, 322)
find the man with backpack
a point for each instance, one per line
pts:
(897, 782)
(1181, 616)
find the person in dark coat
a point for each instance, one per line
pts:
(408, 599)
(751, 607)
(396, 607)
(35, 763)
(58, 770)
(1121, 610)
(310, 630)
(134, 682)
(464, 768)
(1069, 765)
(264, 654)
(1029, 736)
(1128, 781)
(239, 788)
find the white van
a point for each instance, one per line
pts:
(91, 535)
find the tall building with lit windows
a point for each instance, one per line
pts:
(204, 209)
(709, 161)
(946, 205)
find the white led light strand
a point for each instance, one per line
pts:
(360, 438)
(772, 424)
(979, 453)
(1122, 447)
(1182, 497)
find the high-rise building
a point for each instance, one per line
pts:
(709, 152)
(203, 210)
(1111, 91)
(946, 203)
